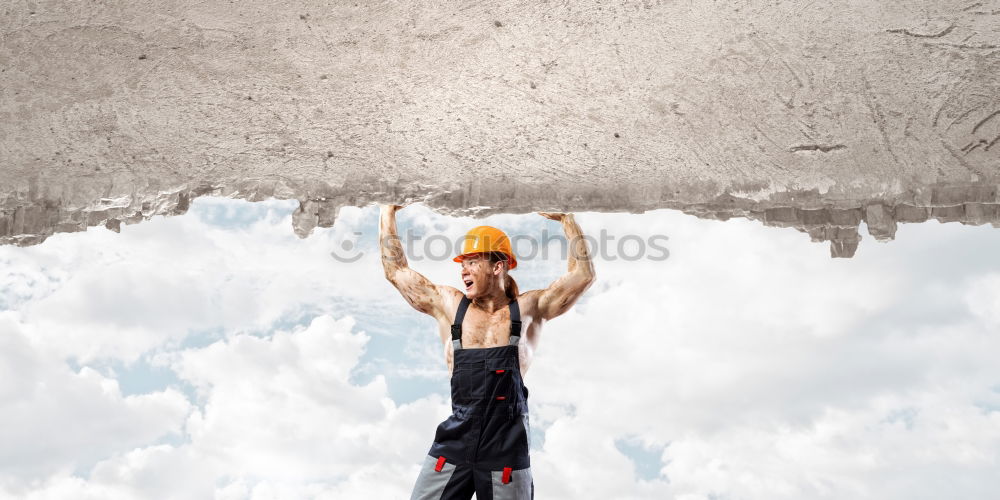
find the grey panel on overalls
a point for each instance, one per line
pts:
(518, 488)
(431, 483)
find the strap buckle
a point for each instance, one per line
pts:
(515, 328)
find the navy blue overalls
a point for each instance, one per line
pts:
(482, 447)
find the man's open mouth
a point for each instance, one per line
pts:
(468, 284)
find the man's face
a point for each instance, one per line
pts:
(477, 275)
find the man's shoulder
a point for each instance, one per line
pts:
(450, 297)
(528, 299)
(449, 291)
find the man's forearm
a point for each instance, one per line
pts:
(393, 256)
(579, 256)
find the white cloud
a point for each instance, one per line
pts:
(278, 419)
(100, 295)
(56, 419)
(983, 299)
(757, 364)
(282, 407)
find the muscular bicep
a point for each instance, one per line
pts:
(562, 294)
(418, 291)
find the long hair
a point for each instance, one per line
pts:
(510, 285)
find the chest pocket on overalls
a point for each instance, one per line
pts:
(468, 382)
(502, 376)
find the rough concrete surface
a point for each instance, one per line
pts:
(815, 115)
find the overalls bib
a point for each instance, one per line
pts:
(482, 447)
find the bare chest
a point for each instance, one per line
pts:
(482, 330)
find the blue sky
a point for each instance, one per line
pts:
(216, 354)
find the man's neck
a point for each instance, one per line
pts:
(493, 302)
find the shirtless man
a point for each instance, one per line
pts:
(482, 447)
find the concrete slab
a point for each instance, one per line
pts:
(810, 115)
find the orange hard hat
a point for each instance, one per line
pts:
(486, 239)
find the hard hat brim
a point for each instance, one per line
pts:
(459, 258)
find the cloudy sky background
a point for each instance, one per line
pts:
(217, 355)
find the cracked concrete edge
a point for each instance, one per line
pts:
(27, 217)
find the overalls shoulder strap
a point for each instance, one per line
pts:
(456, 327)
(515, 322)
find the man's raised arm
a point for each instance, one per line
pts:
(423, 295)
(563, 292)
